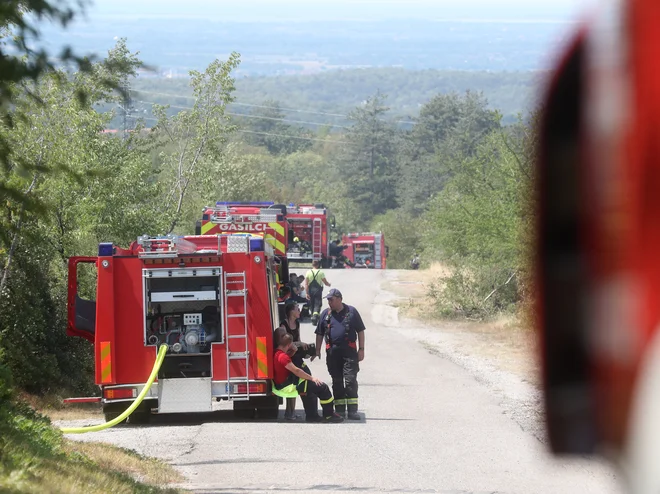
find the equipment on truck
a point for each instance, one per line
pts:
(211, 298)
(265, 219)
(311, 225)
(366, 250)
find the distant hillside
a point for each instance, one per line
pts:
(340, 91)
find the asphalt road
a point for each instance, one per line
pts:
(429, 424)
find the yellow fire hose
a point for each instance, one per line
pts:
(154, 372)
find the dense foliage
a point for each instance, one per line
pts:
(452, 184)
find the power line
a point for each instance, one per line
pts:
(263, 117)
(249, 104)
(330, 141)
(293, 137)
(409, 122)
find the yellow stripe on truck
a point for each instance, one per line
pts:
(277, 227)
(276, 244)
(207, 226)
(106, 362)
(262, 357)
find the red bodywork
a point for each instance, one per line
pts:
(599, 229)
(124, 312)
(244, 218)
(310, 224)
(366, 249)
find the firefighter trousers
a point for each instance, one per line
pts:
(315, 303)
(343, 366)
(310, 394)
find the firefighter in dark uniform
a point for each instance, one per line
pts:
(343, 330)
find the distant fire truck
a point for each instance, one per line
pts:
(309, 233)
(264, 219)
(366, 250)
(211, 298)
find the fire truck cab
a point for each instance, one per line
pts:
(309, 233)
(211, 298)
(366, 250)
(265, 219)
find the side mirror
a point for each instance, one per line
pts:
(332, 223)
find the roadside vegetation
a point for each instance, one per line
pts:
(34, 457)
(452, 186)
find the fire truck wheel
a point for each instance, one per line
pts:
(244, 413)
(141, 415)
(112, 416)
(113, 410)
(268, 413)
(138, 417)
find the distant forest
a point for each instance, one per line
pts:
(327, 97)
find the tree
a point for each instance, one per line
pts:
(197, 138)
(480, 223)
(449, 127)
(264, 126)
(91, 187)
(368, 162)
(20, 65)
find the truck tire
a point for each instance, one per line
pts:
(112, 416)
(244, 413)
(139, 417)
(113, 410)
(268, 407)
(268, 413)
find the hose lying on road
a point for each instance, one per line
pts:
(95, 428)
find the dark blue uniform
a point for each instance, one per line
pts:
(340, 330)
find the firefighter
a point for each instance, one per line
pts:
(314, 281)
(343, 330)
(290, 381)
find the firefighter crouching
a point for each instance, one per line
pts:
(343, 330)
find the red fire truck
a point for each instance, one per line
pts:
(309, 233)
(366, 250)
(211, 298)
(264, 219)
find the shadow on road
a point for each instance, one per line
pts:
(228, 417)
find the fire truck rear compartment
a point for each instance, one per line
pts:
(183, 310)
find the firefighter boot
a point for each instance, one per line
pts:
(340, 407)
(329, 415)
(352, 410)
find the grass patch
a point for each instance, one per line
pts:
(52, 407)
(34, 457)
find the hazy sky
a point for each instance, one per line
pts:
(342, 9)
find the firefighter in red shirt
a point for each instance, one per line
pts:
(289, 380)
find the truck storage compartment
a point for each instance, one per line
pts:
(183, 310)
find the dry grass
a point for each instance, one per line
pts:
(52, 407)
(412, 287)
(93, 468)
(505, 341)
(147, 470)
